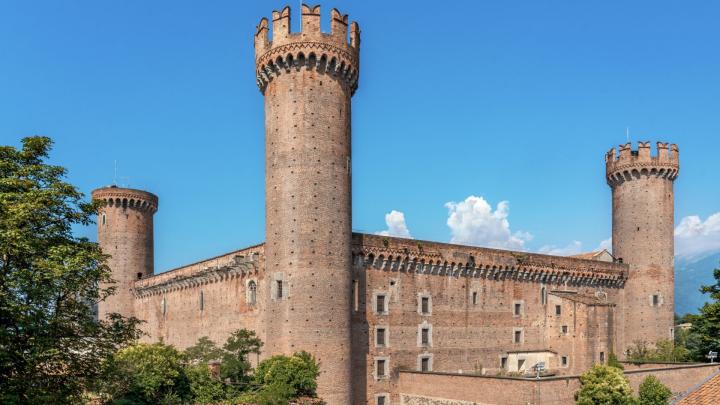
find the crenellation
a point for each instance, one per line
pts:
(315, 285)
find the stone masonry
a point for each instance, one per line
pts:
(367, 306)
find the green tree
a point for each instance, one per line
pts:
(604, 385)
(146, 374)
(204, 388)
(293, 376)
(203, 351)
(705, 331)
(235, 366)
(51, 346)
(653, 392)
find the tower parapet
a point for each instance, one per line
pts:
(328, 53)
(125, 232)
(642, 236)
(631, 164)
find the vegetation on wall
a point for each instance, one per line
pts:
(606, 385)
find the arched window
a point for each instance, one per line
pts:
(543, 295)
(103, 219)
(252, 293)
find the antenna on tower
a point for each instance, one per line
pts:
(115, 176)
(627, 134)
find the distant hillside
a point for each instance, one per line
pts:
(689, 276)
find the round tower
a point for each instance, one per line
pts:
(308, 79)
(125, 232)
(642, 237)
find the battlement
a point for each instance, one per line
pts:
(114, 196)
(331, 53)
(626, 163)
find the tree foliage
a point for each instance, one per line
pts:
(147, 374)
(52, 347)
(663, 350)
(704, 334)
(604, 385)
(295, 375)
(653, 392)
(235, 365)
(203, 351)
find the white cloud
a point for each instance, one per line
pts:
(696, 239)
(395, 221)
(473, 222)
(575, 247)
(606, 244)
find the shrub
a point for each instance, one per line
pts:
(653, 392)
(146, 374)
(204, 388)
(604, 385)
(614, 362)
(292, 376)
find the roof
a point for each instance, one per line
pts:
(601, 255)
(707, 393)
(597, 300)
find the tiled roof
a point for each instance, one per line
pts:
(708, 393)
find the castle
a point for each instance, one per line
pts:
(368, 306)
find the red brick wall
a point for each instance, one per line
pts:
(428, 388)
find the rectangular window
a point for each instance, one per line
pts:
(564, 329)
(558, 309)
(475, 298)
(518, 336)
(518, 309)
(279, 289)
(425, 336)
(503, 363)
(425, 305)
(380, 337)
(201, 301)
(602, 357)
(380, 304)
(655, 300)
(564, 361)
(380, 368)
(425, 364)
(356, 297)
(381, 400)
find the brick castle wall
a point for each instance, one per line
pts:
(308, 79)
(643, 232)
(125, 232)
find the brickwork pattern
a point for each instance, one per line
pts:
(642, 236)
(125, 232)
(307, 79)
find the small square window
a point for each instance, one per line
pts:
(425, 336)
(381, 400)
(518, 309)
(503, 362)
(380, 368)
(558, 310)
(380, 304)
(564, 361)
(518, 336)
(380, 337)
(425, 364)
(279, 289)
(655, 300)
(564, 329)
(602, 357)
(425, 305)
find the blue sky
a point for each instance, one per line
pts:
(505, 101)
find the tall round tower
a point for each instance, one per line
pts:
(125, 232)
(642, 236)
(308, 79)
